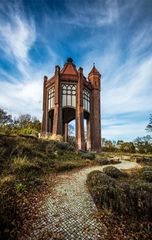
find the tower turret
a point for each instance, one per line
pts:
(94, 79)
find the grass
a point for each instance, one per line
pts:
(24, 165)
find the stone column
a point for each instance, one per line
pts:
(65, 132)
(57, 123)
(79, 112)
(94, 78)
(45, 112)
(49, 124)
(96, 122)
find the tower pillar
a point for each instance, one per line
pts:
(57, 123)
(79, 112)
(45, 112)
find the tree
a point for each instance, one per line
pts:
(149, 126)
(143, 144)
(5, 118)
(28, 122)
(127, 147)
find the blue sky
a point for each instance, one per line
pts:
(115, 34)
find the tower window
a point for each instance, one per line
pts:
(69, 95)
(51, 98)
(86, 100)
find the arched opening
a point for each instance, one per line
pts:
(87, 130)
(72, 132)
(50, 121)
(68, 115)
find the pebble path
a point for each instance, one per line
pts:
(70, 210)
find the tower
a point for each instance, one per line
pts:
(68, 95)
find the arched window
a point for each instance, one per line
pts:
(69, 95)
(51, 97)
(86, 100)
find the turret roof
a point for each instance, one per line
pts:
(94, 71)
(69, 68)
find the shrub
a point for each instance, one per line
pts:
(144, 160)
(57, 138)
(20, 187)
(133, 197)
(68, 165)
(65, 146)
(24, 166)
(145, 169)
(113, 172)
(103, 161)
(88, 155)
(105, 191)
(147, 175)
(28, 131)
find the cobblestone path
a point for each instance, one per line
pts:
(70, 210)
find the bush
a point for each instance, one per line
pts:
(147, 176)
(88, 155)
(65, 146)
(28, 131)
(144, 160)
(133, 197)
(105, 191)
(145, 169)
(69, 165)
(103, 161)
(113, 172)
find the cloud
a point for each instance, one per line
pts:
(124, 132)
(98, 13)
(22, 97)
(17, 35)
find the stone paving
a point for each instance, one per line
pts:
(70, 210)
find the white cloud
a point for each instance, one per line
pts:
(17, 38)
(91, 14)
(124, 132)
(17, 35)
(22, 97)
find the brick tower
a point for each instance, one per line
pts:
(68, 95)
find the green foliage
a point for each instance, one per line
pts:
(127, 147)
(24, 124)
(139, 145)
(20, 187)
(143, 145)
(108, 146)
